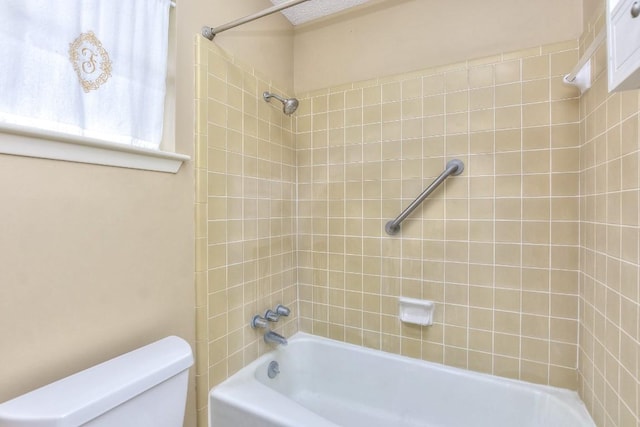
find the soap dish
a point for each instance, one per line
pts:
(416, 311)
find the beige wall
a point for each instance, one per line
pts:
(387, 37)
(90, 268)
(245, 216)
(610, 265)
(96, 261)
(496, 248)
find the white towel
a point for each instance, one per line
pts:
(93, 68)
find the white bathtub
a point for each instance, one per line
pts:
(325, 383)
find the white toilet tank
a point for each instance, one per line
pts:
(144, 388)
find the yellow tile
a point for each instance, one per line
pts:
(412, 88)
(535, 256)
(562, 63)
(536, 114)
(456, 80)
(481, 76)
(536, 326)
(353, 99)
(506, 345)
(508, 118)
(539, 137)
(508, 140)
(457, 123)
(507, 72)
(535, 350)
(508, 94)
(535, 91)
(319, 104)
(535, 185)
(480, 340)
(481, 120)
(480, 99)
(535, 67)
(535, 303)
(481, 319)
(433, 85)
(535, 232)
(456, 357)
(433, 126)
(534, 372)
(507, 322)
(536, 209)
(456, 102)
(391, 92)
(508, 367)
(562, 377)
(565, 111)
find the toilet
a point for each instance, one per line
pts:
(144, 388)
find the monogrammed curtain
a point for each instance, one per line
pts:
(93, 68)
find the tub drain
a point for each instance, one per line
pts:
(273, 370)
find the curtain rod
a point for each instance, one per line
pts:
(210, 32)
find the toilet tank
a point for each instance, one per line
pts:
(144, 388)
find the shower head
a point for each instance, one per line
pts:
(289, 105)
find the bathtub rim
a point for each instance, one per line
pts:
(567, 397)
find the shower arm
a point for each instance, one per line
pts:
(268, 95)
(210, 32)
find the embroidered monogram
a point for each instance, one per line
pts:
(90, 61)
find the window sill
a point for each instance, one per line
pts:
(29, 142)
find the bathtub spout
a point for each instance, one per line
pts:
(275, 338)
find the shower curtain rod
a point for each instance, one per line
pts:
(210, 32)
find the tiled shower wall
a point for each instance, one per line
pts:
(496, 248)
(245, 216)
(609, 295)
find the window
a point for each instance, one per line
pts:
(93, 85)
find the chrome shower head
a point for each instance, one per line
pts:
(289, 105)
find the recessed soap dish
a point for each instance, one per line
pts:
(416, 311)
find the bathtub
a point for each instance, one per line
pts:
(325, 383)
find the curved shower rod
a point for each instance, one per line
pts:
(210, 32)
(454, 167)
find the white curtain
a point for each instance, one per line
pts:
(93, 68)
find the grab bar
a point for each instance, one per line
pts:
(454, 167)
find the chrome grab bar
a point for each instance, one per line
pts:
(454, 167)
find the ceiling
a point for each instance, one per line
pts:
(315, 9)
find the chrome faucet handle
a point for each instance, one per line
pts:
(282, 310)
(259, 322)
(271, 316)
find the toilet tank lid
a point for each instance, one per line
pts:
(77, 399)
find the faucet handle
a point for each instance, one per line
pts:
(258, 322)
(271, 316)
(281, 310)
